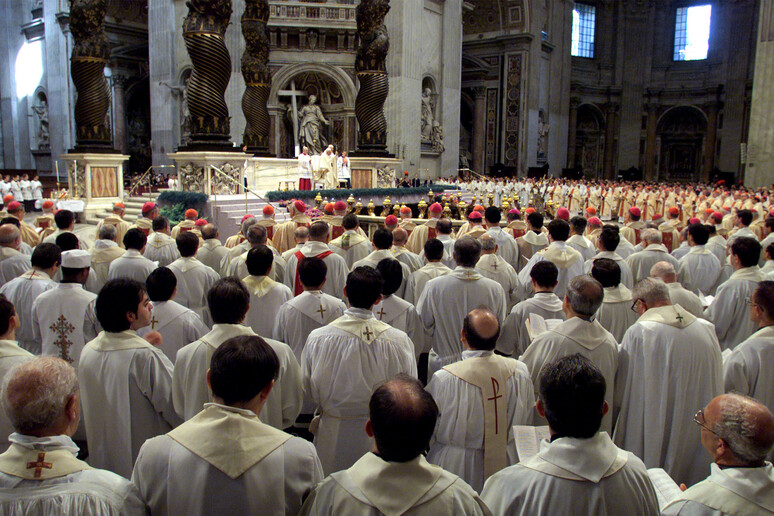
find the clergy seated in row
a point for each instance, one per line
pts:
(668, 363)
(494, 267)
(728, 310)
(702, 266)
(23, 291)
(678, 294)
(317, 247)
(64, 318)
(533, 240)
(116, 220)
(194, 279)
(481, 388)
(507, 248)
(126, 382)
(514, 337)
(39, 473)
(161, 247)
(738, 433)
(10, 355)
(229, 301)
(226, 460)
(382, 242)
(393, 476)
(579, 470)
(351, 245)
(177, 324)
(568, 261)
(433, 252)
(577, 239)
(132, 264)
(393, 310)
(447, 299)
(615, 314)
(65, 223)
(212, 251)
(256, 235)
(403, 255)
(300, 237)
(579, 333)
(444, 235)
(266, 295)
(104, 251)
(343, 362)
(13, 263)
(608, 241)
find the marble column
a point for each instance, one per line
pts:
(119, 111)
(479, 129)
(649, 169)
(573, 132)
(760, 142)
(710, 141)
(611, 123)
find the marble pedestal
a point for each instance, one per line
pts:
(96, 179)
(196, 171)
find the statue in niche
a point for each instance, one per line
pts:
(428, 117)
(41, 110)
(310, 125)
(436, 138)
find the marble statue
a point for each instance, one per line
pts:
(310, 125)
(427, 115)
(41, 110)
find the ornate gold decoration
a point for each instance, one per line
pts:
(371, 207)
(422, 208)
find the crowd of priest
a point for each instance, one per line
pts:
(549, 363)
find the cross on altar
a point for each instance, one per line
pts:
(62, 328)
(154, 322)
(40, 464)
(381, 313)
(367, 333)
(495, 396)
(321, 311)
(294, 94)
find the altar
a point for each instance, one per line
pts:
(95, 179)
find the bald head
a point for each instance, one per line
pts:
(209, 231)
(665, 271)
(399, 237)
(480, 329)
(301, 234)
(10, 236)
(745, 426)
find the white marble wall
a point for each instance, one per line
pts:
(760, 157)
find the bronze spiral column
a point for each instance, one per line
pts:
(203, 31)
(371, 68)
(87, 68)
(255, 70)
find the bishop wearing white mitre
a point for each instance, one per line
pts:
(229, 301)
(126, 383)
(40, 474)
(225, 460)
(344, 362)
(481, 388)
(669, 363)
(194, 279)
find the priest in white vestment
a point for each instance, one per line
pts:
(728, 312)
(400, 253)
(351, 245)
(344, 362)
(301, 237)
(382, 242)
(256, 235)
(480, 399)
(178, 325)
(702, 266)
(393, 310)
(132, 264)
(12, 262)
(10, 355)
(579, 470)
(65, 223)
(580, 333)
(225, 460)
(40, 474)
(533, 240)
(677, 293)
(116, 220)
(64, 319)
(317, 247)
(266, 295)
(669, 364)
(433, 252)
(738, 432)
(161, 247)
(229, 301)
(506, 245)
(568, 261)
(444, 235)
(579, 242)
(446, 301)
(494, 267)
(103, 252)
(194, 279)
(393, 476)
(23, 291)
(607, 242)
(126, 383)
(615, 314)
(653, 252)
(212, 251)
(515, 337)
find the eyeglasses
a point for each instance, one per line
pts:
(634, 305)
(698, 418)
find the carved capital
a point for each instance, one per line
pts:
(479, 92)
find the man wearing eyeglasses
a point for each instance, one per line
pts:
(738, 432)
(668, 362)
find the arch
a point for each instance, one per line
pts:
(589, 139)
(593, 110)
(683, 111)
(680, 134)
(474, 65)
(339, 76)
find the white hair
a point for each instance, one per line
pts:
(652, 291)
(585, 295)
(488, 243)
(107, 232)
(741, 430)
(35, 393)
(247, 224)
(651, 236)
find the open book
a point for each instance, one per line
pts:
(705, 300)
(528, 440)
(537, 325)
(667, 490)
